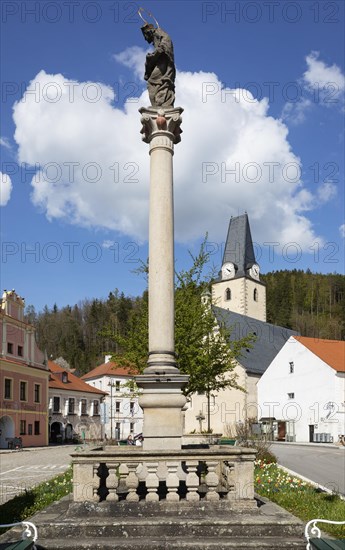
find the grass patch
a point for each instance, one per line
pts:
(299, 497)
(39, 497)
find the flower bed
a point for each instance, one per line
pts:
(37, 498)
(299, 497)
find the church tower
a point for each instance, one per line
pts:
(239, 288)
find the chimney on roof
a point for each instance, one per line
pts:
(107, 358)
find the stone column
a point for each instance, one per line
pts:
(162, 399)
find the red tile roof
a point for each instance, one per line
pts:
(331, 352)
(74, 383)
(111, 369)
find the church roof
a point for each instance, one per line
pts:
(269, 338)
(239, 248)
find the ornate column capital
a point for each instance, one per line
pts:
(161, 122)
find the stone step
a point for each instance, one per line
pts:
(173, 543)
(167, 526)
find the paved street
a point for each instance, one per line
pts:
(323, 465)
(20, 470)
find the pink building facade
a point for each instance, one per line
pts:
(24, 378)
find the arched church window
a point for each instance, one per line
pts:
(228, 294)
(255, 296)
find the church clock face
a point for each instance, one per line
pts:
(255, 271)
(228, 271)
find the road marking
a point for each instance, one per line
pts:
(8, 471)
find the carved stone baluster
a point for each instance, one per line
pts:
(172, 482)
(122, 473)
(192, 480)
(112, 482)
(95, 482)
(152, 482)
(132, 482)
(212, 480)
(228, 469)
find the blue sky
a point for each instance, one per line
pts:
(262, 85)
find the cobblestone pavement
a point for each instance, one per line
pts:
(20, 470)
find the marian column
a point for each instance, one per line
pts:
(162, 399)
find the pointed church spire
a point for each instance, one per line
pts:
(239, 248)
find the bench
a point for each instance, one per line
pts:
(316, 542)
(29, 537)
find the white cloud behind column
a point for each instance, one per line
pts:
(76, 134)
(5, 189)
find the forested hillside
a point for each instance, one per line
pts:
(78, 333)
(311, 303)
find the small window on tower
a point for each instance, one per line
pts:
(228, 294)
(292, 367)
(255, 295)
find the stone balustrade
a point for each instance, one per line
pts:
(192, 475)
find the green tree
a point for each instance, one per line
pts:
(202, 347)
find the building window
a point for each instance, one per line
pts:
(56, 404)
(9, 347)
(22, 394)
(37, 427)
(84, 406)
(22, 427)
(131, 407)
(29, 429)
(228, 294)
(64, 377)
(131, 427)
(96, 408)
(20, 351)
(117, 406)
(71, 405)
(291, 395)
(37, 396)
(255, 294)
(291, 367)
(117, 385)
(8, 388)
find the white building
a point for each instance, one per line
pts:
(302, 392)
(122, 414)
(74, 407)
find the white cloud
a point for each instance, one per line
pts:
(5, 143)
(107, 244)
(5, 189)
(342, 230)
(327, 79)
(133, 58)
(218, 135)
(326, 191)
(320, 85)
(295, 113)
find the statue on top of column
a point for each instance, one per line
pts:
(160, 66)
